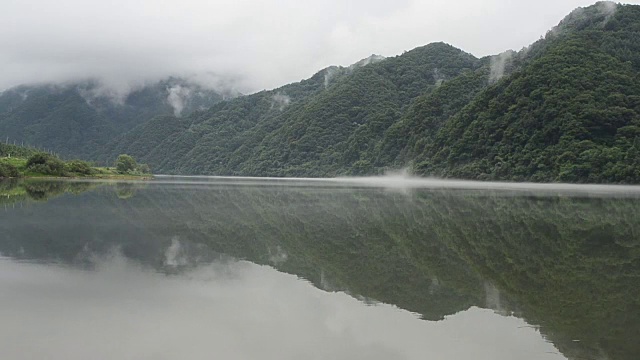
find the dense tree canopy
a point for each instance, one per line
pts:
(78, 120)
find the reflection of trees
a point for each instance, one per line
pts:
(125, 190)
(40, 190)
(569, 265)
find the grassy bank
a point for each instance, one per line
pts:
(43, 165)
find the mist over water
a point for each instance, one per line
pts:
(391, 267)
(403, 181)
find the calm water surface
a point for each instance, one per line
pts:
(201, 268)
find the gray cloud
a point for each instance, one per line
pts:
(246, 44)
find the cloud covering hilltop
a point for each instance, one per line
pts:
(247, 45)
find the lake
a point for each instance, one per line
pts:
(372, 268)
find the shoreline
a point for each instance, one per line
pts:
(90, 177)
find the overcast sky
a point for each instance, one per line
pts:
(258, 44)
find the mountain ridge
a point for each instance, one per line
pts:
(565, 108)
(76, 119)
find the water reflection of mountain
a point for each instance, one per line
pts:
(570, 265)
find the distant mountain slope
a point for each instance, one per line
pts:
(318, 127)
(77, 120)
(406, 139)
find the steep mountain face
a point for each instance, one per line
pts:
(572, 113)
(77, 120)
(322, 126)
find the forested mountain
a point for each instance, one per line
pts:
(317, 127)
(566, 108)
(572, 113)
(79, 119)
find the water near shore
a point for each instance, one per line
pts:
(377, 268)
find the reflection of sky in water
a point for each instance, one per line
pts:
(235, 310)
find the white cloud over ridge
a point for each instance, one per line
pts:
(250, 44)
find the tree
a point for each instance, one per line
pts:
(125, 164)
(46, 164)
(39, 158)
(79, 167)
(8, 170)
(144, 168)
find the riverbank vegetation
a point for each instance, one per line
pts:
(20, 162)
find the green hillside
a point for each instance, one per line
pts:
(317, 127)
(564, 109)
(79, 119)
(571, 114)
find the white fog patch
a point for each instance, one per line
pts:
(403, 181)
(438, 77)
(280, 101)
(227, 86)
(367, 61)
(178, 98)
(117, 95)
(180, 89)
(608, 9)
(174, 255)
(493, 298)
(24, 95)
(114, 90)
(277, 255)
(329, 74)
(498, 65)
(435, 285)
(604, 8)
(325, 284)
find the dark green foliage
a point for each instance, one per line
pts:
(43, 190)
(566, 109)
(40, 164)
(39, 158)
(79, 120)
(125, 164)
(144, 169)
(79, 167)
(324, 126)
(46, 164)
(7, 150)
(8, 170)
(407, 139)
(571, 115)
